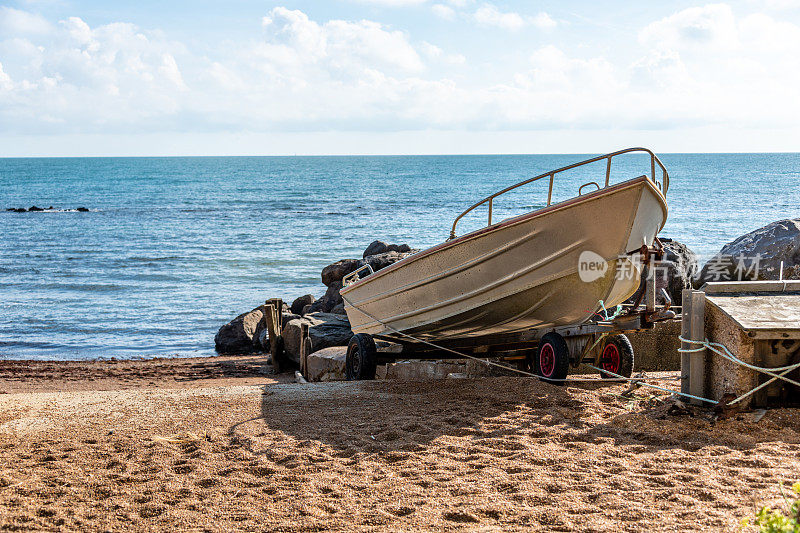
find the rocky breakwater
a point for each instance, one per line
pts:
(757, 255)
(326, 319)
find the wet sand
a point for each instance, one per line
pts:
(219, 444)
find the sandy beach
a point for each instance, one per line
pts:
(221, 444)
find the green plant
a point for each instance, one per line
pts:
(777, 521)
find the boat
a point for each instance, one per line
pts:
(553, 266)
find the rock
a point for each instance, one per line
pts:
(241, 334)
(299, 304)
(306, 309)
(34, 208)
(286, 317)
(325, 330)
(339, 309)
(380, 247)
(82, 210)
(375, 247)
(758, 255)
(336, 271)
(674, 272)
(329, 300)
(327, 364)
(387, 255)
(379, 261)
(400, 248)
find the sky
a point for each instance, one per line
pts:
(86, 78)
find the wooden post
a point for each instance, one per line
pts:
(274, 313)
(693, 365)
(303, 349)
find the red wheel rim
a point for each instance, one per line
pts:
(547, 360)
(610, 360)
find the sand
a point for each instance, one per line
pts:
(226, 446)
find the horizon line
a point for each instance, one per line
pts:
(486, 154)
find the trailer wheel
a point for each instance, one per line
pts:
(617, 357)
(361, 360)
(552, 358)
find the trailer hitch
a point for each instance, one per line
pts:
(651, 313)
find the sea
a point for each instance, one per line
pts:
(172, 248)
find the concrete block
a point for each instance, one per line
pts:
(439, 369)
(327, 364)
(657, 349)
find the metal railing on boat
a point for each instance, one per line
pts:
(663, 185)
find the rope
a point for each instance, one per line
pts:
(722, 350)
(656, 386)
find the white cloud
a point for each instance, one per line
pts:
(18, 22)
(702, 65)
(489, 15)
(543, 20)
(711, 26)
(292, 37)
(443, 11)
(5, 80)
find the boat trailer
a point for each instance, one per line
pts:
(545, 352)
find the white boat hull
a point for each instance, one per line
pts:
(519, 274)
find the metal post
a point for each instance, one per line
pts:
(608, 171)
(686, 332)
(693, 365)
(490, 211)
(550, 190)
(650, 286)
(653, 167)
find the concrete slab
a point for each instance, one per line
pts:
(327, 364)
(438, 369)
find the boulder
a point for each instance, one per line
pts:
(758, 255)
(339, 309)
(327, 364)
(329, 300)
(379, 261)
(325, 330)
(380, 247)
(674, 272)
(286, 317)
(82, 210)
(336, 271)
(35, 208)
(299, 304)
(241, 334)
(375, 247)
(390, 253)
